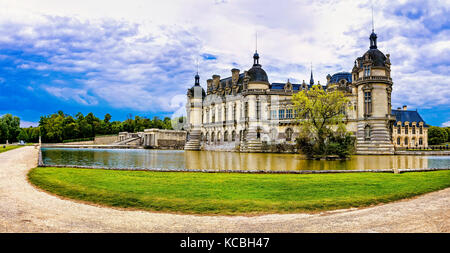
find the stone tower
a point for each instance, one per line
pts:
(194, 115)
(373, 82)
(256, 83)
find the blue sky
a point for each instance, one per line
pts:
(139, 57)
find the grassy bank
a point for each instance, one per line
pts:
(7, 148)
(234, 193)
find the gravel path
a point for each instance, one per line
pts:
(23, 208)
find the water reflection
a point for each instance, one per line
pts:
(207, 160)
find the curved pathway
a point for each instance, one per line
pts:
(23, 208)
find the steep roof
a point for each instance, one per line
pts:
(410, 116)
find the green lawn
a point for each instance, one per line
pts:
(234, 193)
(7, 148)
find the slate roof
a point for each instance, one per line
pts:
(295, 86)
(410, 116)
(341, 75)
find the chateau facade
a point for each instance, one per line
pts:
(244, 111)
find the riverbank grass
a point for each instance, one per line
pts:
(9, 147)
(234, 193)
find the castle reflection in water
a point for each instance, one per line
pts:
(210, 160)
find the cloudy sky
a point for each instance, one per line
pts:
(138, 57)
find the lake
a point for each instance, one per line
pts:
(209, 160)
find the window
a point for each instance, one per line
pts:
(399, 130)
(289, 134)
(246, 110)
(273, 114)
(225, 136)
(226, 113)
(420, 141)
(406, 141)
(233, 136)
(281, 114)
(367, 103)
(366, 70)
(234, 112)
(413, 129)
(367, 133)
(289, 113)
(420, 130)
(389, 102)
(406, 129)
(258, 109)
(398, 140)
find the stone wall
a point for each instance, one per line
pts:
(105, 140)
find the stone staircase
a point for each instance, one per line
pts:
(194, 141)
(127, 141)
(251, 146)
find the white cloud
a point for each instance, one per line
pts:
(141, 54)
(446, 124)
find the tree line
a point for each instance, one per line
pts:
(57, 127)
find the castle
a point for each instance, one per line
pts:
(244, 111)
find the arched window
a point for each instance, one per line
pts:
(367, 133)
(406, 141)
(420, 130)
(399, 129)
(212, 137)
(289, 133)
(225, 136)
(233, 136)
(420, 141)
(398, 140)
(219, 137)
(406, 129)
(413, 129)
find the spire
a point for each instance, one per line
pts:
(311, 80)
(373, 36)
(197, 77)
(256, 55)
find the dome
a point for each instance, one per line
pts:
(256, 73)
(341, 75)
(377, 57)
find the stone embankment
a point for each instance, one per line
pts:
(24, 208)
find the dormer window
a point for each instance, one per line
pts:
(366, 70)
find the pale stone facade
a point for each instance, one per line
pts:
(244, 111)
(412, 132)
(154, 138)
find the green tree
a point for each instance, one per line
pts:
(23, 136)
(437, 135)
(321, 119)
(9, 128)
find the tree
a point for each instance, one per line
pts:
(9, 128)
(23, 136)
(321, 119)
(437, 135)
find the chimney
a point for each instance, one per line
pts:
(209, 82)
(404, 108)
(234, 75)
(216, 80)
